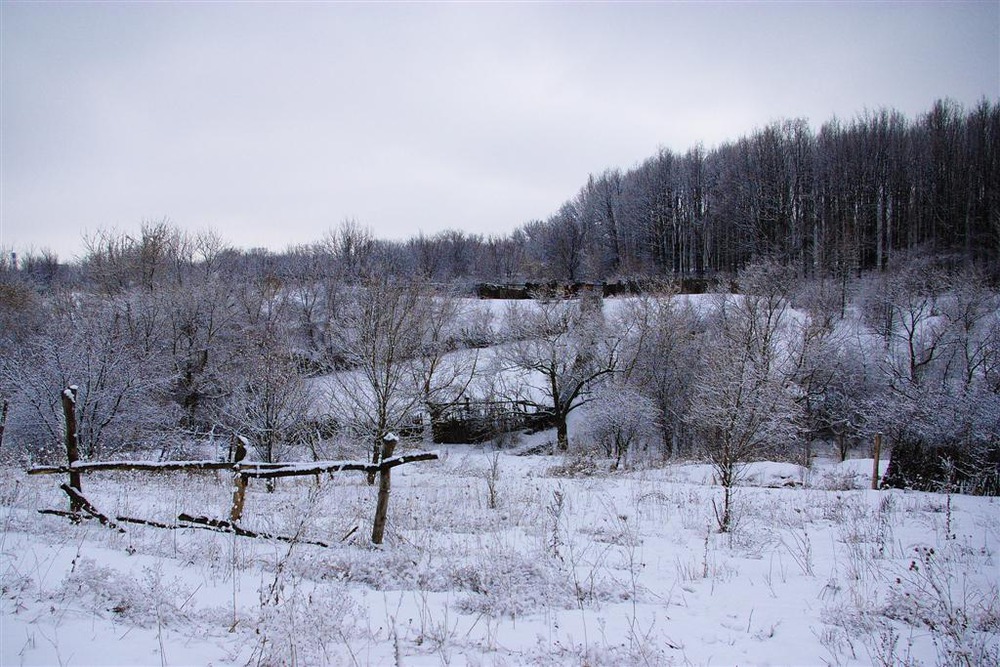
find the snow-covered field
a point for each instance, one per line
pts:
(572, 566)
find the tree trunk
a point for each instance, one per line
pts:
(668, 435)
(842, 446)
(877, 456)
(269, 483)
(727, 509)
(727, 479)
(384, 483)
(562, 433)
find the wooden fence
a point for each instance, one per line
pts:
(242, 472)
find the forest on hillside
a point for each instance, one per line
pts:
(846, 199)
(866, 256)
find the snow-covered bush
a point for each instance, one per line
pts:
(511, 584)
(147, 600)
(620, 421)
(310, 623)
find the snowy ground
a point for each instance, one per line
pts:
(573, 566)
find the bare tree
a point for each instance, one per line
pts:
(743, 406)
(122, 402)
(441, 371)
(942, 412)
(903, 308)
(21, 310)
(620, 419)
(428, 256)
(971, 313)
(667, 352)
(566, 243)
(379, 339)
(116, 261)
(268, 401)
(354, 247)
(825, 366)
(505, 256)
(202, 340)
(312, 280)
(564, 350)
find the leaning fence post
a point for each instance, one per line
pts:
(72, 446)
(878, 456)
(240, 480)
(384, 481)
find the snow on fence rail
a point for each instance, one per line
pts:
(251, 469)
(81, 508)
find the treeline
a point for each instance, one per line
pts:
(175, 341)
(843, 200)
(838, 202)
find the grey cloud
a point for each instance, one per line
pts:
(271, 122)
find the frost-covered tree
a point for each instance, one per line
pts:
(158, 255)
(565, 243)
(264, 398)
(122, 404)
(504, 256)
(942, 412)
(202, 339)
(837, 375)
(21, 318)
(442, 374)
(310, 274)
(902, 307)
(666, 345)
(379, 338)
(845, 403)
(267, 401)
(621, 419)
(21, 308)
(564, 351)
(354, 248)
(744, 406)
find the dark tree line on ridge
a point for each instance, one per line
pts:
(841, 200)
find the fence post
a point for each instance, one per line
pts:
(240, 481)
(72, 446)
(878, 456)
(384, 482)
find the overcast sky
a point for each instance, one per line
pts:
(271, 123)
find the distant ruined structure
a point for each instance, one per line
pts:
(568, 290)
